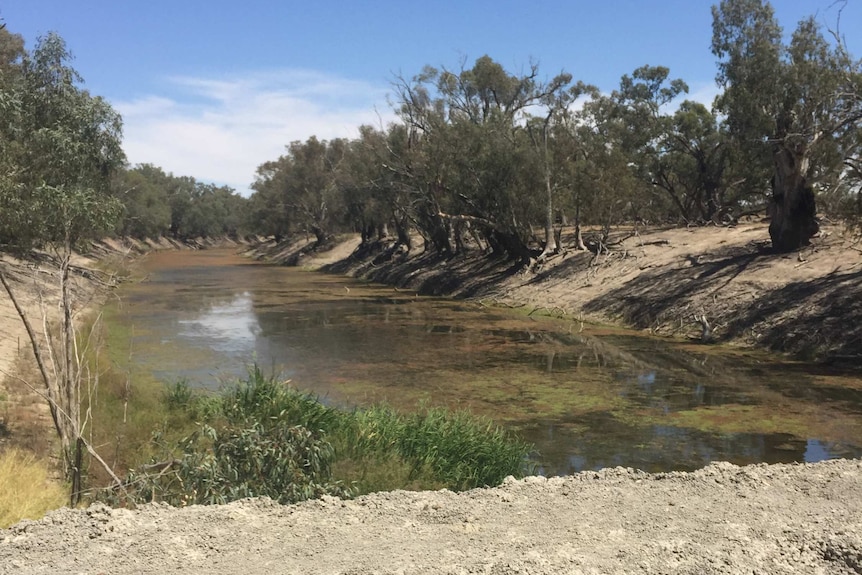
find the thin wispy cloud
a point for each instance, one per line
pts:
(703, 92)
(220, 130)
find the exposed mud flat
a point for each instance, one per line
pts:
(721, 519)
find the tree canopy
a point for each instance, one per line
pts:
(793, 109)
(478, 154)
(60, 147)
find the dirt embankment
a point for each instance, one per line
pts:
(807, 303)
(722, 519)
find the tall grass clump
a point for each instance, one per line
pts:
(265, 399)
(26, 492)
(455, 449)
(262, 437)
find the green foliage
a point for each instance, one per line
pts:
(264, 438)
(255, 440)
(261, 398)
(471, 161)
(795, 109)
(62, 168)
(306, 183)
(482, 156)
(146, 211)
(156, 204)
(456, 449)
(286, 463)
(60, 146)
(179, 396)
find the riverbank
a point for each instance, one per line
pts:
(721, 519)
(25, 419)
(807, 304)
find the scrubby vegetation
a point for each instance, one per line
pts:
(265, 438)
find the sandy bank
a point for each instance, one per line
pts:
(808, 303)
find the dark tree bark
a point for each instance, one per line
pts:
(402, 230)
(367, 233)
(792, 208)
(322, 236)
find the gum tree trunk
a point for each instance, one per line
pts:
(551, 246)
(792, 208)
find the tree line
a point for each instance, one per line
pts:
(478, 154)
(64, 177)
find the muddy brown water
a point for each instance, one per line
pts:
(587, 397)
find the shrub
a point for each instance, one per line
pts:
(261, 399)
(264, 438)
(178, 395)
(284, 462)
(458, 449)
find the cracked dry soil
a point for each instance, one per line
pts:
(801, 518)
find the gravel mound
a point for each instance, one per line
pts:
(721, 519)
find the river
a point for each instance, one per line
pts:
(586, 396)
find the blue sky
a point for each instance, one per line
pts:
(213, 88)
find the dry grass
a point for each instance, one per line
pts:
(25, 490)
(24, 411)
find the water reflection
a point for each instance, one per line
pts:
(227, 327)
(587, 398)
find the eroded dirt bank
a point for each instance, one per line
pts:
(807, 303)
(721, 519)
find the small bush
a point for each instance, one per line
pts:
(265, 399)
(178, 395)
(264, 438)
(26, 491)
(286, 463)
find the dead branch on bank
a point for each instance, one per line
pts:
(63, 381)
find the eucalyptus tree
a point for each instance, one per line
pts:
(408, 172)
(367, 185)
(692, 165)
(307, 183)
(181, 192)
(544, 131)
(469, 147)
(146, 211)
(611, 137)
(60, 148)
(647, 135)
(794, 108)
(11, 54)
(267, 213)
(421, 158)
